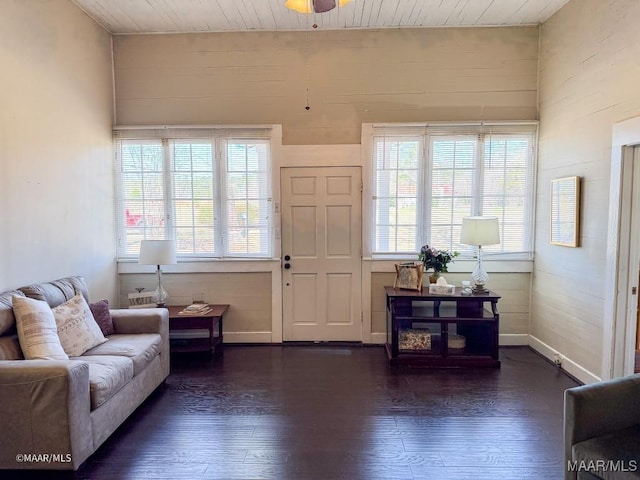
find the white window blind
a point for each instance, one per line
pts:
(142, 205)
(396, 200)
(453, 188)
(248, 198)
(508, 190)
(193, 196)
(208, 189)
(427, 178)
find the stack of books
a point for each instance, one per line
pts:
(195, 309)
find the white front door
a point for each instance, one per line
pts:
(321, 250)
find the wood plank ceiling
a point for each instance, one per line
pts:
(167, 16)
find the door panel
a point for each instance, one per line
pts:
(304, 241)
(339, 242)
(339, 298)
(321, 232)
(305, 301)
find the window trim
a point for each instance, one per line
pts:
(371, 130)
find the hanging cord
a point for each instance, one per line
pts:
(308, 70)
(310, 18)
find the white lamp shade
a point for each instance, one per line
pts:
(480, 231)
(157, 252)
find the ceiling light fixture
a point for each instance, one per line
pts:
(314, 6)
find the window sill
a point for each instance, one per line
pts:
(239, 265)
(460, 266)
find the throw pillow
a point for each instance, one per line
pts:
(77, 329)
(100, 311)
(37, 331)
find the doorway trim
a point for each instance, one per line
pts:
(330, 264)
(325, 155)
(616, 341)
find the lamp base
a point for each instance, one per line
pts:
(479, 289)
(161, 293)
(161, 305)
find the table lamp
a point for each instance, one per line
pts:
(158, 252)
(480, 231)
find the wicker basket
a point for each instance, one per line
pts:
(414, 339)
(456, 341)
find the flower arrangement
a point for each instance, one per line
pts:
(436, 259)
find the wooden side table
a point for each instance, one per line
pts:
(187, 338)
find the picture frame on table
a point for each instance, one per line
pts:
(142, 300)
(409, 276)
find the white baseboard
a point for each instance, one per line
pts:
(248, 337)
(568, 365)
(513, 339)
(266, 337)
(378, 338)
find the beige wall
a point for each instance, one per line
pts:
(355, 76)
(589, 80)
(56, 181)
(400, 75)
(55, 140)
(248, 294)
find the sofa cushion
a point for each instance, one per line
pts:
(107, 375)
(58, 291)
(618, 452)
(10, 348)
(37, 331)
(141, 348)
(100, 311)
(77, 329)
(7, 318)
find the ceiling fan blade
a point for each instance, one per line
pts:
(321, 6)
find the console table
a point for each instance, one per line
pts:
(437, 321)
(196, 333)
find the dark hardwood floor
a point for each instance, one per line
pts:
(339, 412)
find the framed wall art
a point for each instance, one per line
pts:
(564, 225)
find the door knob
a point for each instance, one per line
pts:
(287, 258)
(287, 266)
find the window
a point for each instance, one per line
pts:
(209, 190)
(426, 179)
(396, 201)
